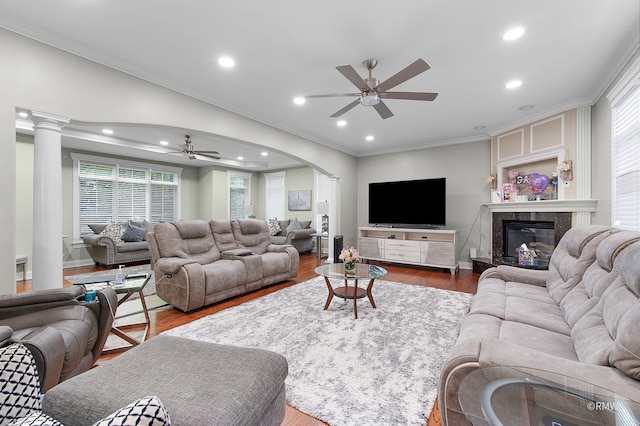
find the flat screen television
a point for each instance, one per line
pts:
(410, 203)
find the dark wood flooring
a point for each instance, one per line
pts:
(165, 318)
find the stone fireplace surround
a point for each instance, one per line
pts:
(563, 213)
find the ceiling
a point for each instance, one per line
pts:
(569, 53)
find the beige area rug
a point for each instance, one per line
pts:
(382, 369)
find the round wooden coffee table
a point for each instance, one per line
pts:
(362, 272)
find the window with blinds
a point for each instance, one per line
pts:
(110, 191)
(239, 193)
(626, 154)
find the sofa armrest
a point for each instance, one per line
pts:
(300, 234)
(12, 305)
(513, 273)
(171, 265)
(99, 240)
(497, 352)
(5, 334)
(278, 248)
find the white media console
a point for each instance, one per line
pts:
(425, 247)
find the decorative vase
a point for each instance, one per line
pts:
(350, 268)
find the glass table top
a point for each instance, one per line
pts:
(362, 271)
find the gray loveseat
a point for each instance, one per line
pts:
(108, 247)
(197, 263)
(580, 319)
(294, 232)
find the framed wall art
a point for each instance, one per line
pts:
(299, 200)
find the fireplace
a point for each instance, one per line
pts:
(537, 235)
(542, 230)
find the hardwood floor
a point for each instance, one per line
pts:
(165, 318)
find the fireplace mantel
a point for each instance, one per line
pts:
(565, 206)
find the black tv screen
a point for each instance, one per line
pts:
(418, 203)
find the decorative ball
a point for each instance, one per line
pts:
(538, 183)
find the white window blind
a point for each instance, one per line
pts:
(239, 193)
(107, 190)
(626, 157)
(275, 195)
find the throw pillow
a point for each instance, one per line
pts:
(294, 225)
(305, 224)
(147, 411)
(114, 231)
(36, 419)
(274, 227)
(133, 233)
(19, 383)
(97, 228)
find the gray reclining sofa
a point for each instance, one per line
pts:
(197, 263)
(579, 320)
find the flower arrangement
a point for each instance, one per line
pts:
(349, 255)
(566, 170)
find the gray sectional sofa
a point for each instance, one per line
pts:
(197, 263)
(579, 319)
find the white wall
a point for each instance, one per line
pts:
(37, 77)
(465, 166)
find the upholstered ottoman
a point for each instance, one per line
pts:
(198, 383)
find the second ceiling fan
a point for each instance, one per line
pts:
(372, 92)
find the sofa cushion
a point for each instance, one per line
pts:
(252, 234)
(283, 226)
(97, 228)
(188, 239)
(77, 326)
(19, 384)
(608, 333)
(294, 225)
(575, 252)
(130, 247)
(223, 235)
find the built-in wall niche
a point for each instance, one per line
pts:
(545, 166)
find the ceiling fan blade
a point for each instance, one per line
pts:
(347, 108)
(200, 154)
(413, 96)
(206, 152)
(411, 71)
(383, 110)
(334, 95)
(353, 77)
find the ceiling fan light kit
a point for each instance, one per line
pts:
(372, 91)
(189, 151)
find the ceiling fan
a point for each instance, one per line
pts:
(191, 153)
(372, 92)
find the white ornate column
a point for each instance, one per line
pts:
(582, 172)
(47, 201)
(333, 214)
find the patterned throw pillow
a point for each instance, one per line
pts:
(36, 419)
(274, 227)
(19, 383)
(147, 411)
(114, 231)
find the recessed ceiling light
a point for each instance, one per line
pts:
(226, 62)
(264, 153)
(164, 143)
(23, 114)
(299, 100)
(526, 107)
(107, 131)
(240, 158)
(513, 84)
(513, 34)
(341, 123)
(369, 138)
